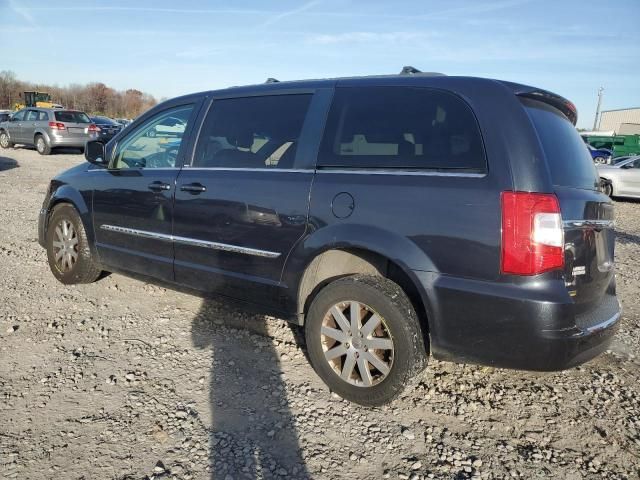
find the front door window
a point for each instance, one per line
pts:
(156, 143)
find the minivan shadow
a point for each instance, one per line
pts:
(252, 433)
(7, 164)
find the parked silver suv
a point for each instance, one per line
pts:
(47, 128)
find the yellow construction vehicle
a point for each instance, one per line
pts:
(36, 99)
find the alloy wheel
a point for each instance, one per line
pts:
(65, 245)
(357, 343)
(4, 140)
(40, 144)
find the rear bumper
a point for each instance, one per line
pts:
(73, 142)
(527, 327)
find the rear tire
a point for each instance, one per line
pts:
(4, 140)
(68, 251)
(372, 363)
(608, 190)
(41, 145)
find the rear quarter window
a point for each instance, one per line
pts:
(401, 128)
(568, 158)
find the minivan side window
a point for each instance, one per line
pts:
(43, 116)
(32, 116)
(154, 144)
(401, 128)
(19, 116)
(252, 132)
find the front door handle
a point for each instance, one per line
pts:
(159, 186)
(193, 188)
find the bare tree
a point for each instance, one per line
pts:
(93, 98)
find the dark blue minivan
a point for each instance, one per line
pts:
(393, 217)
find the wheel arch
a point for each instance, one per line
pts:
(69, 195)
(45, 135)
(389, 255)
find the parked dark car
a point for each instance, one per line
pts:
(47, 129)
(107, 128)
(392, 217)
(600, 156)
(123, 121)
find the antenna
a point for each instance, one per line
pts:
(595, 120)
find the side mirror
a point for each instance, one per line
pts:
(94, 153)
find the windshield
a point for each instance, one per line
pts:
(73, 117)
(568, 159)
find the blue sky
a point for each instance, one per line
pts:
(168, 48)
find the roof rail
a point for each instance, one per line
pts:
(272, 80)
(409, 70)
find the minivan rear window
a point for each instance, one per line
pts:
(72, 117)
(401, 128)
(568, 158)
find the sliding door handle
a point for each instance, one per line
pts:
(193, 188)
(159, 186)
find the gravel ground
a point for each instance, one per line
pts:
(126, 380)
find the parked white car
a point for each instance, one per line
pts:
(169, 126)
(622, 179)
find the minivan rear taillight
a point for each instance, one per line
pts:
(94, 128)
(532, 233)
(57, 125)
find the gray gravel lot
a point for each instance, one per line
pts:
(125, 380)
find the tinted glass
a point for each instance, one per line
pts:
(72, 117)
(4, 117)
(568, 159)
(402, 128)
(252, 132)
(145, 147)
(19, 116)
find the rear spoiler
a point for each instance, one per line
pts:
(567, 108)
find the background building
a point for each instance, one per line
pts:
(624, 121)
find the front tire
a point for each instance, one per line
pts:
(68, 251)
(608, 190)
(5, 142)
(41, 145)
(364, 339)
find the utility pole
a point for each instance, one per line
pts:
(595, 120)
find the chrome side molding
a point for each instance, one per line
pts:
(191, 241)
(590, 223)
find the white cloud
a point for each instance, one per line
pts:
(367, 37)
(22, 12)
(276, 18)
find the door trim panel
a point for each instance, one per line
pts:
(191, 241)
